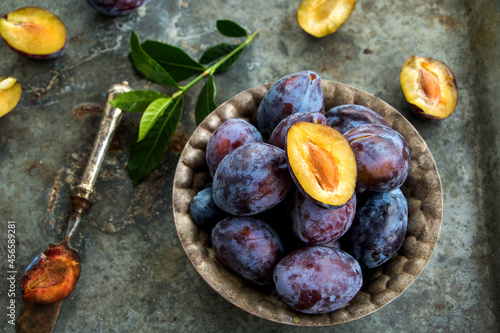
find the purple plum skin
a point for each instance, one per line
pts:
(249, 247)
(315, 225)
(317, 279)
(278, 136)
(251, 179)
(232, 134)
(379, 228)
(382, 157)
(299, 92)
(348, 116)
(115, 7)
(205, 213)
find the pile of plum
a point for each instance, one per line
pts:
(305, 200)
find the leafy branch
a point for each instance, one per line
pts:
(168, 65)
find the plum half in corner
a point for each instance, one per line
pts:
(34, 32)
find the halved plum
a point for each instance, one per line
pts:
(10, 93)
(34, 32)
(320, 18)
(321, 163)
(429, 87)
(51, 276)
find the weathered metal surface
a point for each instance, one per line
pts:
(135, 274)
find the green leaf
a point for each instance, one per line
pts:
(206, 100)
(216, 52)
(230, 29)
(147, 66)
(172, 59)
(153, 112)
(146, 155)
(229, 62)
(136, 100)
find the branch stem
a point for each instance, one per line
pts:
(211, 70)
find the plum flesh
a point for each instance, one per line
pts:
(321, 163)
(51, 276)
(10, 94)
(320, 18)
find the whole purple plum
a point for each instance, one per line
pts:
(382, 157)
(299, 92)
(251, 179)
(348, 116)
(379, 228)
(248, 246)
(317, 279)
(315, 225)
(278, 136)
(115, 7)
(205, 213)
(227, 137)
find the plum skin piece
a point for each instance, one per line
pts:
(348, 116)
(230, 135)
(205, 213)
(382, 157)
(315, 225)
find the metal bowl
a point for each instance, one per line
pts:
(382, 284)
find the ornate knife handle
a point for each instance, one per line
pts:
(109, 123)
